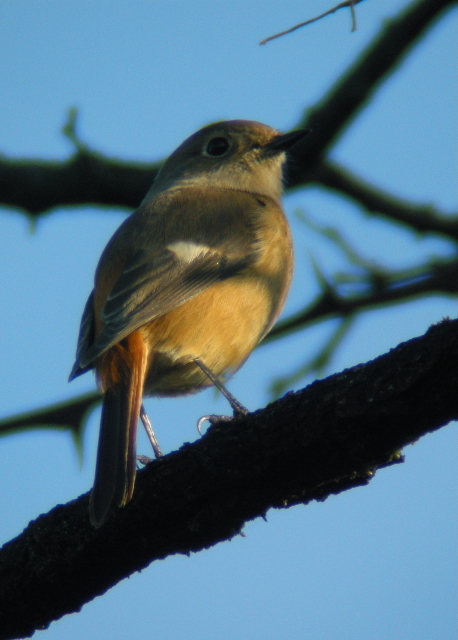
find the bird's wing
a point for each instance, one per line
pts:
(85, 337)
(160, 277)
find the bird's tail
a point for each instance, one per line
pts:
(122, 373)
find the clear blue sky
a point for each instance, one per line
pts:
(374, 562)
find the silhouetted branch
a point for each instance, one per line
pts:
(333, 114)
(316, 363)
(67, 416)
(86, 178)
(380, 286)
(421, 218)
(433, 278)
(348, 4)
(330, 437)
(91, 178)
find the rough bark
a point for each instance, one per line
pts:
(325, 439)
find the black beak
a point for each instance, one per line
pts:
(286, 141)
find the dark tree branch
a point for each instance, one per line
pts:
(90, 178)
(381, 288)
(332, 436)
(325, 439)
(86, 178)
(330, 117)
(440, 278)
(64, 415)
(421, 218)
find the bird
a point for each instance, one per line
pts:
(186, 288)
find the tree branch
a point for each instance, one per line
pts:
(91, 178)
(68, 415)
(439, 278)
(421, 218)
(323, 440)
(348, 4)
(330, 117)
(86, 178)
(381, 288)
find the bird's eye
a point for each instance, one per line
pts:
(217, 147)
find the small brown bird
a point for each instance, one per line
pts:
(186, 287)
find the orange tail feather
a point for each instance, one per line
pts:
(122, 373)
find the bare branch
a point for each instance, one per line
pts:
(329, 118)
(434, 278)
(347, 4)
(69, 415)
(317, 363)
(86, 178)
(340, 298)
(421, 218)
(354, 22)
(90, 178)
(323, 440)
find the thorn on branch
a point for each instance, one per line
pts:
(69, 131)
(70, 415)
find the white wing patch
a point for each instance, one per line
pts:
(188, 251)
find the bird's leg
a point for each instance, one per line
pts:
(151, 436)
(237, 407)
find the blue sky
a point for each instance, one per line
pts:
(374, 562)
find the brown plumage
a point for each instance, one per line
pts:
(200, 271)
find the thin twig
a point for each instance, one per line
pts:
(354, 24)
(317, 363)
(433, 278)
(342, 5)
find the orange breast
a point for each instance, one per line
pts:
(221, 326)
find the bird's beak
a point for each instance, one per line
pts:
(286, 141)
